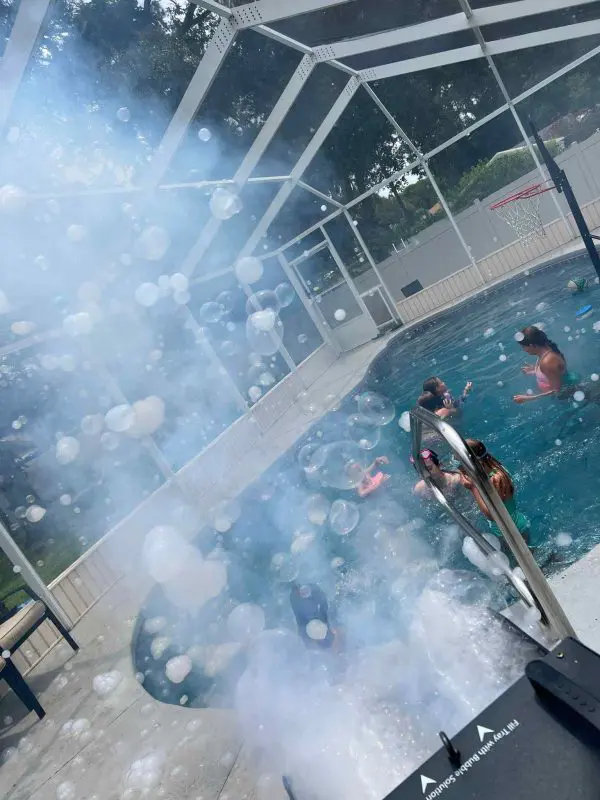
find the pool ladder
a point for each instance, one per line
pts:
(534, 591)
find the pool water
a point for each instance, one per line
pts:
(549, 446)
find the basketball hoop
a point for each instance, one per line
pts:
(522, 212)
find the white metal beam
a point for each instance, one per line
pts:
(254, 154)
(252, 14)
(471, 52)
(206, 72)
(322, 132)
(23, 36)
(440, 27)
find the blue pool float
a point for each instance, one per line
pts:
(584, 312)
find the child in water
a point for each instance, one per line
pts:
(437, 398)
(447, 481)
(371, 482)
(502, 482)
(310, 605)
(550, 370)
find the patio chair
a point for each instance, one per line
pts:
(16, 626)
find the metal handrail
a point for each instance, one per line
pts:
(535, 590)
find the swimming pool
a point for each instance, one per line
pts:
(423, 651)
(548, 446)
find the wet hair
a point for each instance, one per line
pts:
(535, 337)
(430, 401)
(430, 455)
(489, 463)
(431, 385)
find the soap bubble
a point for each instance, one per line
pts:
(67, 363)
(255, 393)
(210, 313)
(341, 465)
(595, 377)
(303, 338)
(65, 791)
(579, 396)
(596, 326)
(363, 431)
(502, 357)
(224, 204)
(339, 314)
(165, 553)
(12, 198)
(541, 307)
(284, 567)
(179, 282)
(181, 298)
(317, 509)
(148, 416)
(120, 418)
(144, 773)
(23, 328)
(92, 424)
(124, 114)
(76, 233)
(35, 513)
(152, 244)
(261, 300)
(106, 682)
(78, 324)
(488, 332)
(285, 295)
(265, 342)
(65, 499)
(245, 622)
(147, 294)
(343, 517)
(204, 135)
(263, 320)
(376, 408)
(306, 457)
(519, 336)
(67, 450)
(404, 421)
(261, 376)
(178, 668)
(248, 269)
(563, 539)
(226, 300)
(323, 208)
(317, 630)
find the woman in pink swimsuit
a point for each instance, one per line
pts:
(550, 369)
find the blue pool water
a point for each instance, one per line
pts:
(549, 446)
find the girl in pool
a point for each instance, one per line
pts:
(447, 481)
(437, 398)
(550, 369)
(502, 482)
(371, 482)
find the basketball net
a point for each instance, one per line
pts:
(521, 211)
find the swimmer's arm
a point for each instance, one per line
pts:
(525, 398)
(480, 502)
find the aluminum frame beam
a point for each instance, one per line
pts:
(311, 150)
(20, 45)
(215, 54)
(440, 27)
(472, 52)
(265, 136)
(250, 15)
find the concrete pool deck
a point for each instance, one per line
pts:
(203, 756)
